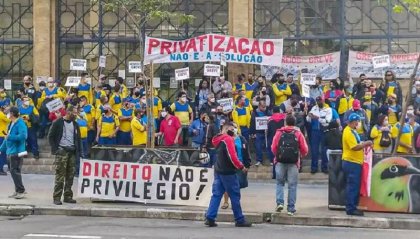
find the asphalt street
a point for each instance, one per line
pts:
(36, 227)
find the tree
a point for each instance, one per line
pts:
(141, 12)
(411, 5)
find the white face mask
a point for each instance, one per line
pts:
(42, 87)
(143, 101)
(8, 115)
(212, 100)
(50, 85)
(26, 103)
(410, 112)
(164, 114)
(236, 131)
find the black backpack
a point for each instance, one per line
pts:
(385, 139)
(288, 148)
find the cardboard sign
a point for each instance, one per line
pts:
(111, 82)
(182, 73)
(306, 90)
(197, 82)
(134, 66)
(130, 82)
(222, 59)
(308, 79)
(78, 64)
(102, 61)
(261, 122)
(173, 84)
(7, 84)
(121, 73)
(73, 81)
(146, 183)
(156, 82)
(211, 70)
(40, 79)
(381, 61)
(227, 104)
(54, 105)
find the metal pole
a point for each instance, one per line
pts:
(150, 118)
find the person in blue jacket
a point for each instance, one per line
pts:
(197, 130)
(14, 146)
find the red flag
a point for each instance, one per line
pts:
(366, 173)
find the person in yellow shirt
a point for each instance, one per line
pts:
(123, 88)
(239, 85)
(382, 135)
(405, 145)
(125, 115)
(352, 160)
(115, 100)
(82, 121)
(4, 122)
(138, 127)
(30, 115)
(157, 109)
(241, 115)
(100, 107)
(184, 112)
(90, 113)
(85, 89)
(99, 92)
(281, 90)
(52, 92)
(391, 109)
(108, 126)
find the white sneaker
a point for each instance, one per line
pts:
(13, 195)
(258, 164)
(290, 213)
(271, 164)
(19, 195)
(279, 208)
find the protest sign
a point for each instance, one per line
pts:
(306, 89)
(54, 105)
(134, 66)
(223, 59)
(182, 73)
(147, 183)
(173, 84)
(121, 73)
(381, 61)
(261, 122)
(78, 64)
(73, 81)
(89, 80)
(327, 66)
(39, 79)
(227, 104)
(111, 82)
(102, 61)
(308, 79)
(130, 82)
(156, 82)
(401, 64)
(211, 70)
(208, 47)
(7, 84)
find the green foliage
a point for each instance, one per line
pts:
(400, 6)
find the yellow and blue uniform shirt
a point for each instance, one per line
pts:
(115, 101)
(26, 112)
(350, 140)
(125, 126)
(4, 123)
(157, 106)
(376, 135)
(108, 125)
(182, 111)
(55, 93)
(97, 97)
(281, 92)
(242, 116)
(99, 111)
(406, 137)
(5, 102)
(237, 87)
(124, 91)
(249, 89)
(344, 105)
(392, 115)
(90, 112)
(86, 91)
(83, 126)
(138, 129)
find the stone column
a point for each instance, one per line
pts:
(241, 24)
(43, 38)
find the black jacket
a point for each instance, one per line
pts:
(56, 133)
(257, 113)
(227, 159)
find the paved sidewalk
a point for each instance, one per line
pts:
(258, 203)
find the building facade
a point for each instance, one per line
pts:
(40, 37)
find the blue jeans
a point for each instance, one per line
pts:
(317, 141)
(91, 137)
(107, 141)
(32, 141)
(260, 147)
(3, 157)
(289, 173)
(44, 122)
(124, 138)
(213, 157)
(270, 153)
(222, 184)
(85, 148)
(352, 173)
(245, 133)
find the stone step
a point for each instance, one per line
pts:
(38, 169)
(41, 161)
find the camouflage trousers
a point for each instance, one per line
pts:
(65, 163)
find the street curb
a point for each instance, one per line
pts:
(191, 215)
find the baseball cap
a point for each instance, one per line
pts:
(356, 104)
(354, 117)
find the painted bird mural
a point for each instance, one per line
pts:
(390, 185)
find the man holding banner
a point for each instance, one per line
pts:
(258, 131)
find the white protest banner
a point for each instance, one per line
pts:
(54, 105)
(147, 183)
(327, 66)
(134, 66)
(223, 59)
(208, 48)
(102, 61)
(211, 70)
(156, 82)
(401, 64)
(227, 104)
(73, 81)
(121, 73)
(39, 79)
(78, 64)
(173, 84)
(381, 61)
(261, 122)
(130, 82)
(182, 73)
(306, 90)
(308, 79)
(7, 84)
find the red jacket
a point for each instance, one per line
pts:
(227, 159)
(303, 146)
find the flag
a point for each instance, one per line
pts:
(366, 173)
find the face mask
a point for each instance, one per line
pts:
(8, 115)
(164, 114)
(386, 122)
(26, 103)
(231, 133)
(410, 112)
(27, 83)
(50, 85)
(143, 101)
(42, 87)
(82, 114)
(368, 97)
(261, 83)
(219, 113)
(235, 131)
(212, 100)
(264, 92)
(250, 80)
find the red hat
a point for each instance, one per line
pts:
(356, 104)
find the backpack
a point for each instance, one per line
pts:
(385, 139)
(288, 148)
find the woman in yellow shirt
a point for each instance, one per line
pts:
(382, 135)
